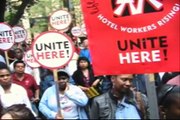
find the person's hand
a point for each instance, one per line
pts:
(95, 83)
(59, 116)
(35, 99)
(84, 88)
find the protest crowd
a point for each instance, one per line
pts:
(118, 60)
(33, 93)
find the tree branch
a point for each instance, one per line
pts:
(2, 10)
(20, 12)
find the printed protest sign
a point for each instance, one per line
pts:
(20, 34)
(60, 19)
(76, 31)
(6, 36)
(30, 60)
(52, 49)
(133, 36)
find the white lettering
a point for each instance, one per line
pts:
(135, 9)
(139, 57)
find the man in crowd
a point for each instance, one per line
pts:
(118, 102)
(19, 56)
(33, 71)
(27, 81)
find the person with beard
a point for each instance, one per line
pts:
(71, 98)
(118, 102)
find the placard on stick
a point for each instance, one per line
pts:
(76, 31)
(6, 36)
(20, 34)
(60, 19)
(6, 39)
(30, 60)
(52, 49)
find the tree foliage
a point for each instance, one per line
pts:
(14, 10)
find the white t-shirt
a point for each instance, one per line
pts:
(17, 95)
(68, 108)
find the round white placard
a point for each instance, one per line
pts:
(29, 59)
(6, 36)
(60, 19)
(76, 31)
(53, 49)
(20, 34)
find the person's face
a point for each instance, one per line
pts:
(18, 54)
(122, 83)
(19, 68)
(85, 43)
(83, 64)
(173, 111)
(62, 82)
(5, 77)
(6, 116)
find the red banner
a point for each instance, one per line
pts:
(133, 36)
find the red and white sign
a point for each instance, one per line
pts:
(20, 34)
(76, 31)
(133, 36)
(29, 59)
(6, 36)
(52, 49)
(60, 20)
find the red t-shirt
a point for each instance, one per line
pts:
(28, 83)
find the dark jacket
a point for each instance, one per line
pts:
(104, 106)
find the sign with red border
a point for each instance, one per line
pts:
(76, 31)
(20, 34)
(133, 36)
(52, 49)
(6, 36)
(60, 19)
(29, 59)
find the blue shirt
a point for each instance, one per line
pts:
(2, 59)
(48, 104)
(85, 53)
(126, 111)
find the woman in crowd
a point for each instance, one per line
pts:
(70, 98)
(11, 93)
(84, 76)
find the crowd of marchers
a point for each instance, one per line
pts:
(33, 93)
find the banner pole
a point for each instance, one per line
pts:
(152, 97)
(57, 91)
(6, 57)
